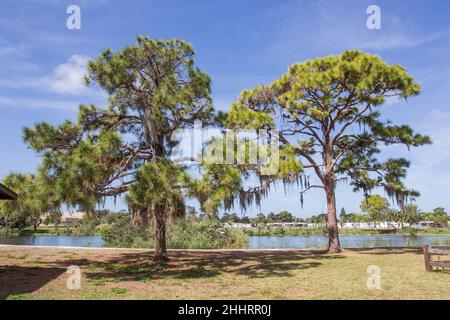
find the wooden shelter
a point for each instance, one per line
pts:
(6, 193)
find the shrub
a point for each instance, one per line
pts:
(9, 232)
(208, 233)
(83, 229)
(410, 231)
(122, 234)
(13, 221)
(279, 231)
(188, 233)
(102, 228)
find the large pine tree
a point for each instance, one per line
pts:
(154, 89)
(326, 111)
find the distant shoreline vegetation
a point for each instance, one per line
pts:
(279, 231)
(232, 231)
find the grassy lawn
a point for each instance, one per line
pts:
(37, 273)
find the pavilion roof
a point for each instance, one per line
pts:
(6, 193)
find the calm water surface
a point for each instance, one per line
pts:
(347, 241)
(255, 242)
(59, 241)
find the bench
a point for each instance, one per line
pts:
(439, 251)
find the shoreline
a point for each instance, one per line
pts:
(272, 243)
(312, 250)
(445, 232)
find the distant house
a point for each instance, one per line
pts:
(69, 218)
(238, 225)
(424, 224)
(378, 225)
(287, 224)
(6, 193)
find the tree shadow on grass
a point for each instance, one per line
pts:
(139, 266)
(134, 265)
(20, 279)
(15, 280)
(207, 264)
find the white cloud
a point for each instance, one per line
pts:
(68, 78)
(38, 103)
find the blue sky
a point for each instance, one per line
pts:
(240, 44)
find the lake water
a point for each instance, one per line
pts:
(255, 242)
(347, 241)
(59, 241)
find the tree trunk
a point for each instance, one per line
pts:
(159, 226)
(155, 142)
(334, 245)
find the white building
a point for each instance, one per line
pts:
(239, 225)
(287, 224)
(424, 224)
(372, 225)
(381, 225)
(385, 225)
(67, 218)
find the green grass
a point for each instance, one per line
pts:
(143, 278)
(37, 261)
(119, 290)
(294, 274)
(15, 297)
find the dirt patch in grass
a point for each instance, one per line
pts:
(40, 273)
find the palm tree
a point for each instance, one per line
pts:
(156, 196)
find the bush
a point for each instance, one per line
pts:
(83, 229)
(279, 231)
(188, 233)
(409, 231)
(122, 234)
(102, 228)
(9, 232)
(13, 221)
(208, 233)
